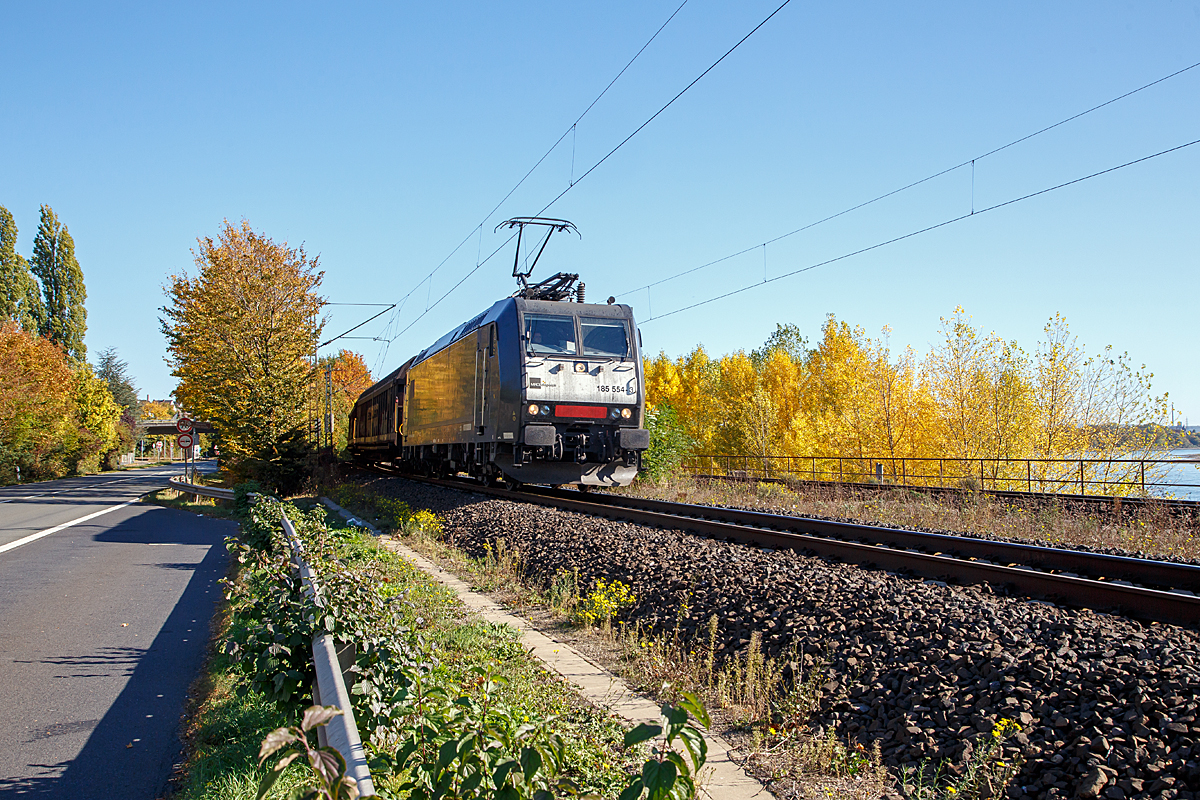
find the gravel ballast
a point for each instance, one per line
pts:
(1107, 705)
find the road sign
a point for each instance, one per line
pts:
(185, 440)
(183, 425)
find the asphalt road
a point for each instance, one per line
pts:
(105, 604)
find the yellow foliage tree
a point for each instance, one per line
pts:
(241, 334)
(97, 415)
(977, 404)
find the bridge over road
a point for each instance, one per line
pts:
(105, 604)
(148, 427)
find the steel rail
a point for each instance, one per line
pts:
(929, 555)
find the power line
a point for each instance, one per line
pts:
(665, 107)
(570, 130)
(968, 162)
(911, 234)
(602, 160)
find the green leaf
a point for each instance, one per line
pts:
(531, 762)
(447, 753)
(696, 745)
(641, 733)
(676, 719)
(316, 716)
(276, 740)
(633, 791)
(693, 705)
(662, 779)
(502, 772)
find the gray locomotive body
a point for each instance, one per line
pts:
(530, 391)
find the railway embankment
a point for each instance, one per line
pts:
(1088, 704)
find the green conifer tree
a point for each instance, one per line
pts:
(114, 371)
(54, 264)
(19, 297)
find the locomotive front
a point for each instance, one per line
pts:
(582, 395)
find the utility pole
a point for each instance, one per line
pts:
(329, 406)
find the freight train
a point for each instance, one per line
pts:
(540, 388)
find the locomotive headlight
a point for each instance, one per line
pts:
(533, 409)
(616, 412)
(581, 366)
(546, 410)
(626, 413)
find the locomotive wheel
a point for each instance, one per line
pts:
(584, 488)
(512, 484)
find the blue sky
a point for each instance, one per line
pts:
(380, 135)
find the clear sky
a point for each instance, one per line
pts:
(380, 135)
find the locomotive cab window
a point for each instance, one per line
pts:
(604, 337)
(549, 335)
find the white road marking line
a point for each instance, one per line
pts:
(33, 537)
(99, 485)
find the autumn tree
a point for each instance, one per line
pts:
(64, 321)
(19, 297)
(241, 333)
(349, 378)
(156, 409)
(96, 416)
(36, 406)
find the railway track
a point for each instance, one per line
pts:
(1146, 589)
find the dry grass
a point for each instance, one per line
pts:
(1153, 530)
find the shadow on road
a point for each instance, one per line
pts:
(133, 748)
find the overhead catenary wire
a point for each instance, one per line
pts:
(914, 184)
(668, 104)
(603, 159)
(571, 129)
(927, 229)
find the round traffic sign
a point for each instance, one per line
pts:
(183, 425)
(185, 440)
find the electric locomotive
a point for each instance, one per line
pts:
(540, 388)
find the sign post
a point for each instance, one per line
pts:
(185, 442)
(185, 425)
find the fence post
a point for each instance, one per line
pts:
(1143, 466)
(1081, 489)
(1028, 476)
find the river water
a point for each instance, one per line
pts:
(1184, 473)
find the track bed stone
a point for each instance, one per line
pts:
(1107, 705)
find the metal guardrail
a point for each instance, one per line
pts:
(202, 491)
(341, 732)
(1083, 476)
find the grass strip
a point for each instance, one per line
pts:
(236, 704)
